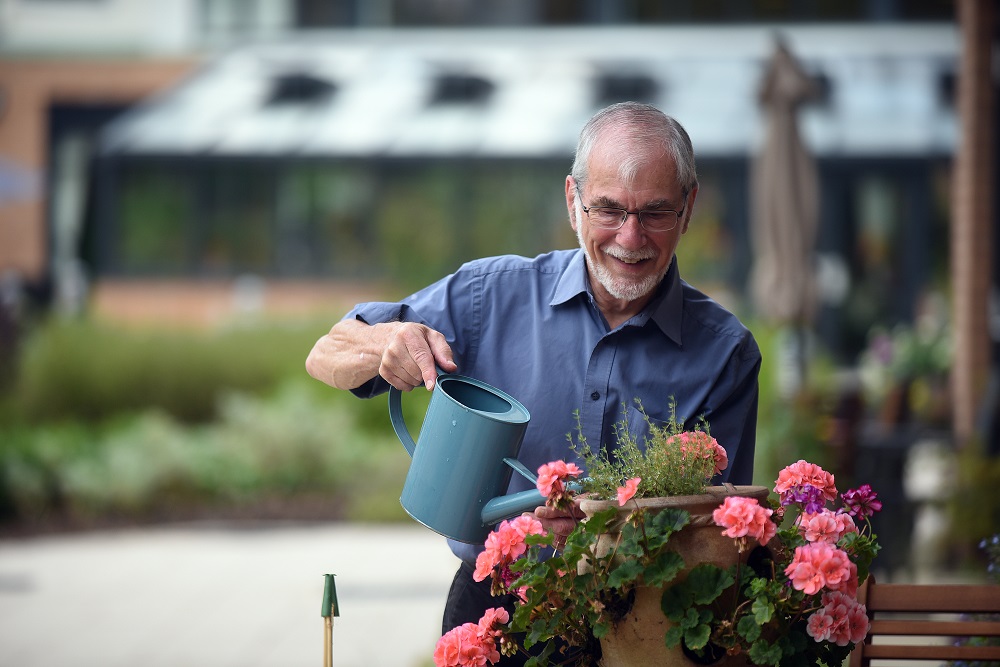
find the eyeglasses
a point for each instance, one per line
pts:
(607, 217)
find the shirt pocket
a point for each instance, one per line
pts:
(639, 425)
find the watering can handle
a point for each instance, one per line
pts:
(398, 423)
(396, 417)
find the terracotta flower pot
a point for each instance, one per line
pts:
(638, 639)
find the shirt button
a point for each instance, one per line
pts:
(595, 395)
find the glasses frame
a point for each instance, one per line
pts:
(626, 213)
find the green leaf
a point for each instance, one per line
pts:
(673, 636)
(660, 526)
(707, 582)
(763, 652)
(663, 569)
(697, 637)
(691, 619)
(749, 628)
(625, 573)
(763, 610)
(598, 523)
(675, 601)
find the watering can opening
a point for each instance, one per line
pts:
(489, 401)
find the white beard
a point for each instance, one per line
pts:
(618, 287)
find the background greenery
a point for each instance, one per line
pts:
(104, 424)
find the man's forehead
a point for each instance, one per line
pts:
(631, 162)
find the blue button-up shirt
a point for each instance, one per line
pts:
(531, 327)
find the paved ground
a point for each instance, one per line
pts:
(217, 596)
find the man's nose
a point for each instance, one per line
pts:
(631, 234)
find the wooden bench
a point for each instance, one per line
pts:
(922, 622)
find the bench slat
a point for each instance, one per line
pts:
(964, 598)
(886, 651)
(936, 628)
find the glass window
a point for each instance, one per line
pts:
(154, 211)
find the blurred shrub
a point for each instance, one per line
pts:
(975, 502)
(293, 445)
(105, 423)
(91, 371)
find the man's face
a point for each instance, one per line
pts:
(628, 263)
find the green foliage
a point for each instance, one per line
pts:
(292, 445)
(669, 461)
(975, 500)
(91, 371)
(106, 423)
(576, 609)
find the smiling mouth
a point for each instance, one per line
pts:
(630, 261)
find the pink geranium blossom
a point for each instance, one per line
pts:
(842, 620)
(820, 565)
(743, 517)
(700, 445)
(626, 492)
(472, 644)
(802, 473)
(721, 457)
(826, 526)
(862, 501)
(552, 477)
(506, 544)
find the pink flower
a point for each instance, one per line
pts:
(552, 477)
(744, 517)
(826, 526)
(721, 457)
(448, 651)
(802, 473)
(506, 544)
(820, 565)
(472, 644)
(862, 501)
(842, 620)
(626, 492)
(489, 624)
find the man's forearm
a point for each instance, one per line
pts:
(349, 355)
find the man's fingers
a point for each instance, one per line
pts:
(412, 356)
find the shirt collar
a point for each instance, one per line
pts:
(665, 310)
(572, 282)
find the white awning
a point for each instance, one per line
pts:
(526, 93)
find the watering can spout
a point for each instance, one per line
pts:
(509, 506)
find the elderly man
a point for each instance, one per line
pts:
(574, 332)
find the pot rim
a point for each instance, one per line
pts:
(713, 495)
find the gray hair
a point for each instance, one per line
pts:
(642, 123)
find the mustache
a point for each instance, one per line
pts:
(618, 252)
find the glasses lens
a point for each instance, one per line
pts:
(659, 221)
(606, 217)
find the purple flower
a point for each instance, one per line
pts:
(861, 501)
(807, 495)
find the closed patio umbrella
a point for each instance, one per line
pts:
(784, 192)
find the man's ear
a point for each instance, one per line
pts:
(689, 209)
(571, 201)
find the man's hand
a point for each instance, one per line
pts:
(406, 354)
(558, 522)
(412, 354)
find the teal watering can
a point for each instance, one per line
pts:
(463, 459)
